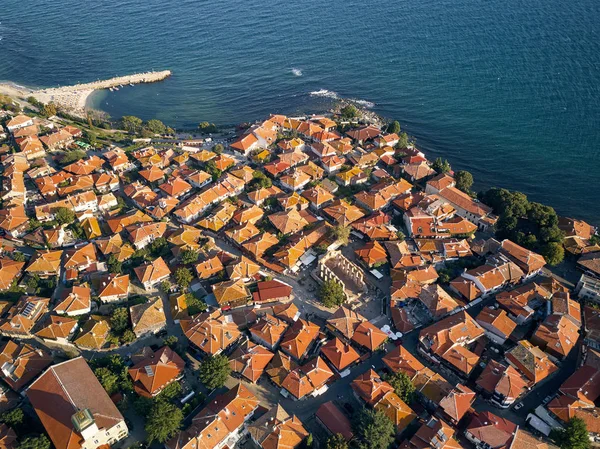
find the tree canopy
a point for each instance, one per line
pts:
(336, 441)
(259, 181)
(183, 277)
(394, 127)
(331, 293)
(532, 225)
(464, 181)
(214, 371)
(349, 111)
(340, 233)
(131, 124)
(35, 442)
(156, 126)
(573, 436)
(64, 215)
(119, 320)
(189, 256)
(374, 430)
(403, 386)
(163, 421)
(441, 166)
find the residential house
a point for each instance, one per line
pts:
(250, 360)
(23, 315)
(113, 287)
(220, 424)
(147, 318)
(151, 375)
(152, 273)
(497, 324)
(448, 340)
(530, 361)
(211, 332)
(268, 331)
(277, 429)
(74, 301)
(309, 379)
(21, 363)
(299, 338)
(94, 333)
(58, 329)
(486, 430)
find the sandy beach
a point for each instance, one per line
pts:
(74, 98)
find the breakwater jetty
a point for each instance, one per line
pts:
(74, 98)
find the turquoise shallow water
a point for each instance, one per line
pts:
(507, 90)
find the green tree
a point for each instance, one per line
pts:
(107, 379)
(131, 123)
(32, 442)
(374, 430)
(218, 148)
(464, 181)
(402, 140)
(551, 234)
(336, 441)
(159, 247)
(553, 252)
(259, 181)
(403, 386)
(119, 320)
(18, 257)
(573, 436)
(183, 277)
(194, 305)
(64, 215)
(171, 391)
(49, 110)
(171, 341)
(211, 169)
(214, 371)
(165, 286)
(441, 166)
(156, 126)
(113, 265)
(349, 112)
(340, 233)
(71, 156)
(331, 293)
(189, 256)
(207, 128)
(394, 127)
(163, 421)
(400, 235)
(13, 418)
(128, 336)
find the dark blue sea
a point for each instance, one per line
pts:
(509, 90)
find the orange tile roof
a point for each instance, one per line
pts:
(345, 320)
(276, 429)
(152, 374)
(299, 337)
(153, 271)
(308, 378)
(370, 387)
(369, 336)
(269, 329)
(250, 360)
(23, 362)
(341, 355)
(211, 332)
(55, 327)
